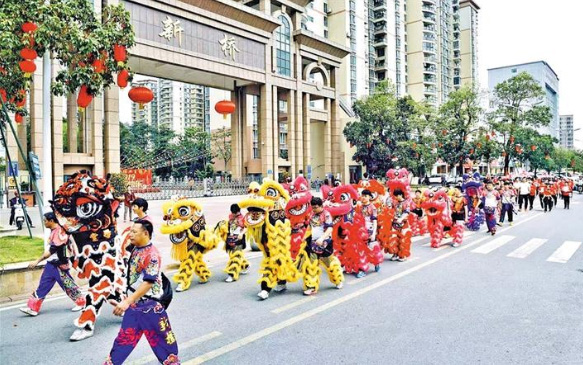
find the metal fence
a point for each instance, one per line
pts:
(165, 189)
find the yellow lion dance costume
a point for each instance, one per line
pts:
(186, 226)
(269, 227)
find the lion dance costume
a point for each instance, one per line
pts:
(437, 207)
(191, 238)
(350, 235)
(305, 251)
(269, 227)
(399, 244)
(85, 208)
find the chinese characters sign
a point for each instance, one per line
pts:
(171, 29)
(228, 46)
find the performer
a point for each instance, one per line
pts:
(320, 250)
(459, 213)
(508, 196)
(566, 191)
(192, 239)
(298, 210)
(142, 312)
(400, 242)
(369, 212)
(418, 221)
(490, 200)
(472, 187)
(55, 271)
(440, 220)
(235, 244)
(85, 208)
(269, 227)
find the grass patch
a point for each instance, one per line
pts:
(20, 249)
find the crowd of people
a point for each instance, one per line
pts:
(352, 229)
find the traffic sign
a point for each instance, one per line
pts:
(34, 165)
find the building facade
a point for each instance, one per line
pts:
(547, 79)
(566, 131)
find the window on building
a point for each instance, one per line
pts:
(325, 33)
(283, 48)
(325, 21)
(513, 70)
(256, 135)
(380, 52)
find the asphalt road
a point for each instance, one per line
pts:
(514, 298)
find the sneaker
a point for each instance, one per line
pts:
(377, 268)
(310, 291)
(493, 232)
(500, 224)
(81, 334)
(395, 257)
(229, 279)
(263, 294)
(29, 311)
(511, 223)
(361, 274)
(245, 270)
(179, 288)
(340, 285)
(456, 245)
(280, 287)
(77, 308)
(402, 259)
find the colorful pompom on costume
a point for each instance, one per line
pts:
(191, 238)
(85, 208)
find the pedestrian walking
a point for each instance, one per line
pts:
(56, 270)
(566, 194)
(140, 209)
(508, 197)
(142, 312)
(128, 199)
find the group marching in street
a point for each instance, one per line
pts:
(351, 230)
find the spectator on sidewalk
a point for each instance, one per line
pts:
(55, 271)
(128, 200)
(141, 310)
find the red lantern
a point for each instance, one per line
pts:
(141, 95)
(28, 67)
(444, 132)
(441, 145)
(29, 27)
(84, 98)
(18, 118)
(98, 66)
(3, 95)
(122, 78)
(21, 102)
(28, 54)
(225, 107)
(493, 134)
(119, 54)
(533, 148)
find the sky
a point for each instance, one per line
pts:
(519, 31)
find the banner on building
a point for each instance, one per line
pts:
(138, 177)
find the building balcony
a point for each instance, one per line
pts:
(430, 59)
(429, 28)
(380, 41)
(429, 37)
(428, 18)
(430, 69)
(429, 79)
(428, 8)
(379, 4)
(379, 15)
(430, 2)
(430, 90)
(380, 29)
(429, 48)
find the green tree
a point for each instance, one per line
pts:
(458, 121)
(484, 148)
(74, 35)
(533, 148)
(221, 142)
(517, 102)
(562, 158)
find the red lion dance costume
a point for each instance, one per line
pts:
(85, 208)
(384, 214)
(298, 211)
(399, 244)
(350, 235)
(437, 207)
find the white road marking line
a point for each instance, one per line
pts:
(293, 304)
(492, 245)
(312, 312)
(181, 346)
(564, 253)
(528, 248)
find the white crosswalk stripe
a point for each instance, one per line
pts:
(528, 248)
(494, 244)
(564, 253)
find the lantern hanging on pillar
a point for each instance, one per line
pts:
(225, 107)
(141, 95)
(84, 98)
(28, 67)
(18, 118)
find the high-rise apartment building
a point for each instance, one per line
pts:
(196, 106)
(544, 75)
(566, 131)
(465, 40)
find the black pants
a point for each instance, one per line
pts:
(566, 200)
(540, 197)
(507, 208)
(548, 203)
(555, 199)
(523, 198)
(530, 201)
